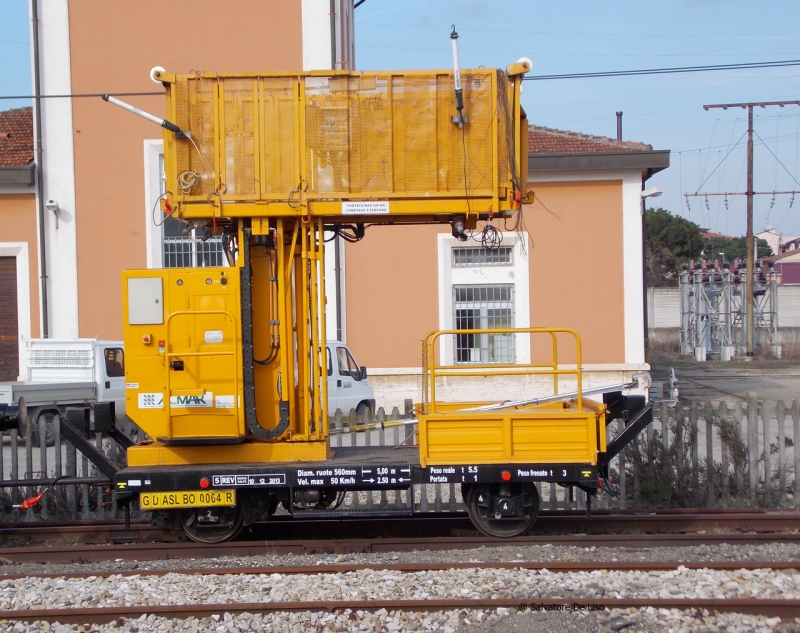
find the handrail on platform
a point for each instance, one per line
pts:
(431, 370)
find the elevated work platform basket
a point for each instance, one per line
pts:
(344, 143)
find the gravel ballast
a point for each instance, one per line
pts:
(602, 586)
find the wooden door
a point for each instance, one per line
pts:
(9, 334)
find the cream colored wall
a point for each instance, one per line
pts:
(113, 47)
(19, 226)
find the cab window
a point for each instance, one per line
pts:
(341, 361)
(355, 372)
(115, 362)
(330, 365)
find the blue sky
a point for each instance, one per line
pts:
(588, 35)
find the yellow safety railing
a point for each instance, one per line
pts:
(431, 370)
(170, 355)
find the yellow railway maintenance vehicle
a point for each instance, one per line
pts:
(226, 367)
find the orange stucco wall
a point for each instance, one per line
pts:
(113, 47)
(392, 288)
(18, 212)
(575, 259)
(576, 264)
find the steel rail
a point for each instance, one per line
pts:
(408, 568)
(161, 551)
(664, 520)
(451, 530)
(789, 608)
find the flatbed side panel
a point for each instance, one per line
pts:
(37, 393)
(510, 437)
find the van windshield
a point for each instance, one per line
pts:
(347, 364)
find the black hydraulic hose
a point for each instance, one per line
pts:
(247, 352)
(273, 323)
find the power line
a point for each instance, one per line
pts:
(88, 94)
(506, 31)
(666, 71)
(610, 73)
(776, 158)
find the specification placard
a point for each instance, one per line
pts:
(354, 476)
(372, 207)
(487, 473)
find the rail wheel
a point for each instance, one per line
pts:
(502, 510)
(211, 525)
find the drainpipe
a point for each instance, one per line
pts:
(333, 34)
(37, 124)
(337, 242)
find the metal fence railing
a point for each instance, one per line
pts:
(741, 455)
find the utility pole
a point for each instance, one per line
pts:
(749, 260)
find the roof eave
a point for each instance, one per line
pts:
(649, 162)
(18, 175)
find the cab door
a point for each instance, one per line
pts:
(111, 378)
(334, 383)
(347, 375)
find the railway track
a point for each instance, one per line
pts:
(90, 543)
(548, 525)
(333, 568)
(163, 551)
(787, 609)
(784, 608)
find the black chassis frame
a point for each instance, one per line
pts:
(281, 481)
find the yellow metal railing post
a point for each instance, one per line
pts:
(217, 136)
(495, 156)
(258, 149)
(322, 350)
(303, 283)
(555, 362)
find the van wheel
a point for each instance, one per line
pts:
(49, 429)
(363, 409)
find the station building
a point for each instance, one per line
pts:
(573, 260)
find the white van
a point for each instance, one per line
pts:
(348, 387)
(62, 373)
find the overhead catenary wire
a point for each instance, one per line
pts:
(796, 150)
(776, 158)
(592, 75)
(83, 95)
(722, 161)
(664, 71)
